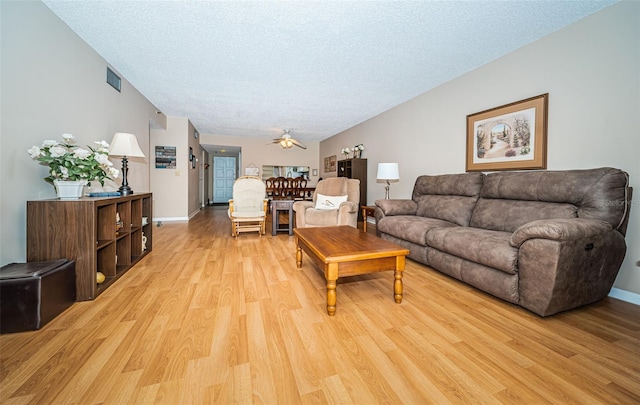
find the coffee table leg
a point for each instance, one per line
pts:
(331, 297)
(331, 274)
(397, 286)
(298, 253)
(397, 283)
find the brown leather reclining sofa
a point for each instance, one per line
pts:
(548, 241)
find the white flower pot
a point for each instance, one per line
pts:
(69, 190)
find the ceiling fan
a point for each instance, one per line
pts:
(287, 142)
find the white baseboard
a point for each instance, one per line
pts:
(623, 295)
(171, 219)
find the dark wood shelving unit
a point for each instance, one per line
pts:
(355, 168)
(85, 230)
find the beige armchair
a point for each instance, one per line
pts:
(323, 211)
(248, 208)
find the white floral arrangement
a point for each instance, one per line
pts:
(69, 162)
(345, 152)
(357, 150)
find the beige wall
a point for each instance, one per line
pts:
(53, 82)
(192, 196)
(591, 72)
(261, 151)
(175, 192)
(170, 186)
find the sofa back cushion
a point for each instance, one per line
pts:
(509, 215)
(449, 197)
(511, 199)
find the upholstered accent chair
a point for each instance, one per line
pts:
(335, 202)
(248, 208)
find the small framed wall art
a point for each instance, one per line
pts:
(165, 157)
(509, 137)
(330, 164)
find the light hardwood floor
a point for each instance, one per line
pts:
(206, 318)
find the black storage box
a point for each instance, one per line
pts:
(32, 294)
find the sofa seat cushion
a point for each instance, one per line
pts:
(411, 228)
(490, 248)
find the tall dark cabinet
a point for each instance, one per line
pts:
(355, 168)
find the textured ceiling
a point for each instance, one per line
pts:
(317, 68)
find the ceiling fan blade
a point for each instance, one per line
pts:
(298, 143)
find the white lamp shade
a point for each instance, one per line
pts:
(124, 144)
(388, 171)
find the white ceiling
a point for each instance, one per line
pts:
(254, 68)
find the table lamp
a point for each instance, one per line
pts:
(388, 172)
(125, 145)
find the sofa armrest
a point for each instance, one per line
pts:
(397, 207)
(566, 263)
(300, 208)
(559, 230)
(348, 214)
(348, 207)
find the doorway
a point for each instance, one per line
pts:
(224, 175)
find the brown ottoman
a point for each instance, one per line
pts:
(32, 294)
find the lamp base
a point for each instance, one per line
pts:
(125, 190)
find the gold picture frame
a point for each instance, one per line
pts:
(509, 137)
(330, 164)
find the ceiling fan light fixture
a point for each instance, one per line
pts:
(287, 142)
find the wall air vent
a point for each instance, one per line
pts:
(113, 79)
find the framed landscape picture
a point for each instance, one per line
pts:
(509, 137)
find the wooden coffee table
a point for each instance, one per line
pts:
(346, 251)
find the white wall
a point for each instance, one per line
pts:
(591, 71)
(53, 82)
